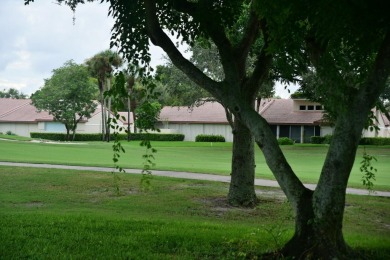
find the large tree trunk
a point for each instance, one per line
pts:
(316, 241)
(242, 186)
(317, 236)
(323, 225)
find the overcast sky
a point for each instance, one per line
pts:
(40, 37)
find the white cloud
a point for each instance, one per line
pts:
(5, 84)
(41, 37)
(23, 61)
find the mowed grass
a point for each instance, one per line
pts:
(63, 214)
(215, 158)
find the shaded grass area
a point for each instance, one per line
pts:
(47, 213)
(306, 160)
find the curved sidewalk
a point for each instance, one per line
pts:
(183, 175)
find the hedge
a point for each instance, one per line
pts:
(285, 141)
(317, 139)
(98, 137)
(363, 141)
(209, 138)
(374, 141)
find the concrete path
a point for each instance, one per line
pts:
(184, 175)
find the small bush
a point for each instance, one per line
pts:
(317, 139)
(9, 133)
(209, 138)
(285, 141)
(327, 139)
(98, 137)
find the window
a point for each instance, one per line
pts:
(284, 131)
(311, 107)
(274, 129)
(295, 133)
(302, 107)
(319, 107)
(317, 130)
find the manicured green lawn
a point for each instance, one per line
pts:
(62, 214)
(214, 158)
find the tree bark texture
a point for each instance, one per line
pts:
(242, 186)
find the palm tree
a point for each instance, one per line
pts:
(101, 66)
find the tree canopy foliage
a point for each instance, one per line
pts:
(12, 93)
(175, 87)
(67, 95)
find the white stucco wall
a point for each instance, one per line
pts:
(190, 131)
(94, 125)
(326, 130)
(22, 129)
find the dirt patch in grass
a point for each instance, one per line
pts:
(219, 207)
(274, 193)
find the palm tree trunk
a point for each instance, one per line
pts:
(108, 128)
(103, 116)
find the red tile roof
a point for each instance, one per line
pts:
(275, 111)
(209, 112)
(281, 111)
(21, 111)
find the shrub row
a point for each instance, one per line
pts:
(209, 138)
(321, 139)
(285, 141)
(153, 137)
(98, 137)
(363, 141)
(375, 141)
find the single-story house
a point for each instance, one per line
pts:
(209, 118)
(20, 117)
(298, 119)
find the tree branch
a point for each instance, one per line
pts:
(214, 29)
(262, 66)
(159, 38)
(229, 118)
(250, 35)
